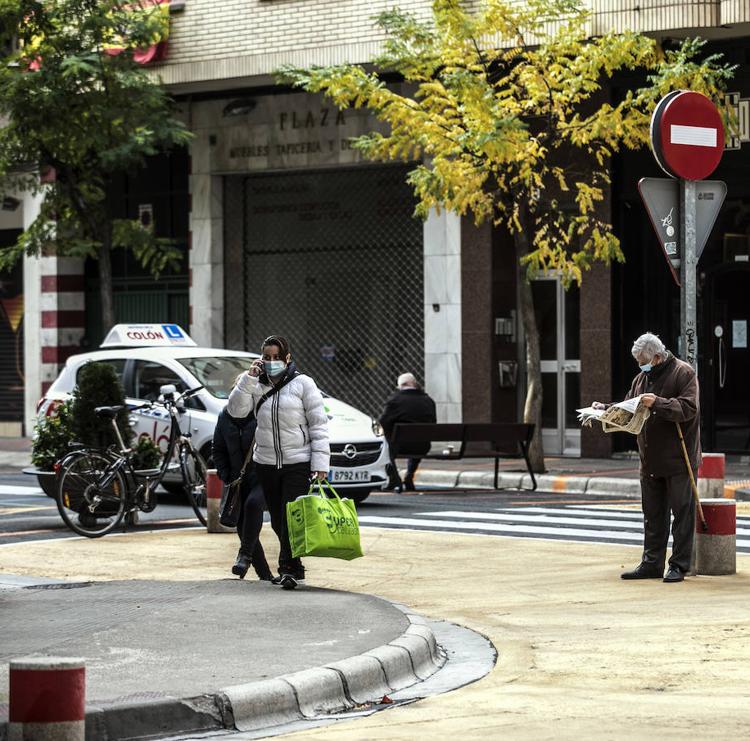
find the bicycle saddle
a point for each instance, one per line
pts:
(108, 412)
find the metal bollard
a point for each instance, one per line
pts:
(716, 550)
(214, 492)
(47, 699)
(711, 476)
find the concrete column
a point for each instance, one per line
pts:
(596, 354)
(32, 320)
(206, 248)
(480, 377)
(54, 317)
(442, 314)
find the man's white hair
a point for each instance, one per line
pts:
(648, 344)
(407, 381)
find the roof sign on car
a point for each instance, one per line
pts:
(147, 335)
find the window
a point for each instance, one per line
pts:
(217, 374)
(150, 377)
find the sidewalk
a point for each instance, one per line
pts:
(604, 476)
(581, 653)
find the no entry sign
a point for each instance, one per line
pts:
(687, 135)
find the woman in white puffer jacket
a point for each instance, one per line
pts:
(291, 441)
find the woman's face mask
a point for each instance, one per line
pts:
(274, 367)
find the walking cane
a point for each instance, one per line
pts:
(704, 524)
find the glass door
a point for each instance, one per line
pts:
(558, 320)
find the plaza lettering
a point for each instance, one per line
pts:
(310, 120)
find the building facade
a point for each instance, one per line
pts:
(289, 231)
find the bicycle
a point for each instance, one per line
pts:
(97, 488)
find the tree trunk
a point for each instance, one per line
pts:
(105, 280)
(532, 411)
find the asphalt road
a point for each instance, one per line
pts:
(27, 514)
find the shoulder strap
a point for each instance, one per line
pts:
(274, 390)
(248, 457)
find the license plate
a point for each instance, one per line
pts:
(344, 476)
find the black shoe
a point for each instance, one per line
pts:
(263, 572)
(241, 565)
(276, 579)
(288, 581)
(409, 485)
(674, 574)
(643, 571)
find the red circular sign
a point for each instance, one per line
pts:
(687, 135)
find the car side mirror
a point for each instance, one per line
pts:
(168, 390)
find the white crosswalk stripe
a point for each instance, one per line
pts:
(20, 490)
(564, 523)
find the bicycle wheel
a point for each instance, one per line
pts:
(193, 469)
(85, 506)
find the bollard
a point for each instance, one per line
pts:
(47, 699)
(214, 492)
(716, 550)
(711, 476)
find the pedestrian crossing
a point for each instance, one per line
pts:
(588, 524)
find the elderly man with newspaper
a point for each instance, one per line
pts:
(668, 387)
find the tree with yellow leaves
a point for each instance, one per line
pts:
(509, 118)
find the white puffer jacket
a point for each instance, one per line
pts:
(292, 424)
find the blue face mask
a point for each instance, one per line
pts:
(646, 368)
(274, 367)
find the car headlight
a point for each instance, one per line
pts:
(376, 428)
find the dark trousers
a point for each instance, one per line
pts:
(282, 485)
(249, 525)
(412, 464)
(660, 496)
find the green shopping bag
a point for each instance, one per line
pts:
(319, 526)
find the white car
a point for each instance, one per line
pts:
(146, 357)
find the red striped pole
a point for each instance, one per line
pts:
(47, 699)
(214, 492)
(711, 476)
(716, 550)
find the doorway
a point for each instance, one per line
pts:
(726, 386)
(558, 319)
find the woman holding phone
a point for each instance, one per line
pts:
(291, 440)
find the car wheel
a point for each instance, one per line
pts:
(173, 487)
(207, 454)
(356, 495)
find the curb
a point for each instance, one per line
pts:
(595, 485)
(407, 660)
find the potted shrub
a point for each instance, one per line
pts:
(76, 421)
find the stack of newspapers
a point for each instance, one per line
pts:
(625, 416)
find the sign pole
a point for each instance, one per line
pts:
(688, 273)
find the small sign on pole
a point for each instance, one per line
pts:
(661, 196)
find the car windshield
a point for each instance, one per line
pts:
(217, 374)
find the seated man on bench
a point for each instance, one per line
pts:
(409, 404)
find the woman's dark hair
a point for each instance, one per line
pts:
(281, 342)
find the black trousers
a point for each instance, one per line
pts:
(412, 464)
(282, 485)
(250, 523)
(660, 496)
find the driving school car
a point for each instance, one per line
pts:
(147, 357)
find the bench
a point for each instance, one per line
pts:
(471, 440)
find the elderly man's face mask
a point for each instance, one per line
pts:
(643, 364)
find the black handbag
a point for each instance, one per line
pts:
(230, 510)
